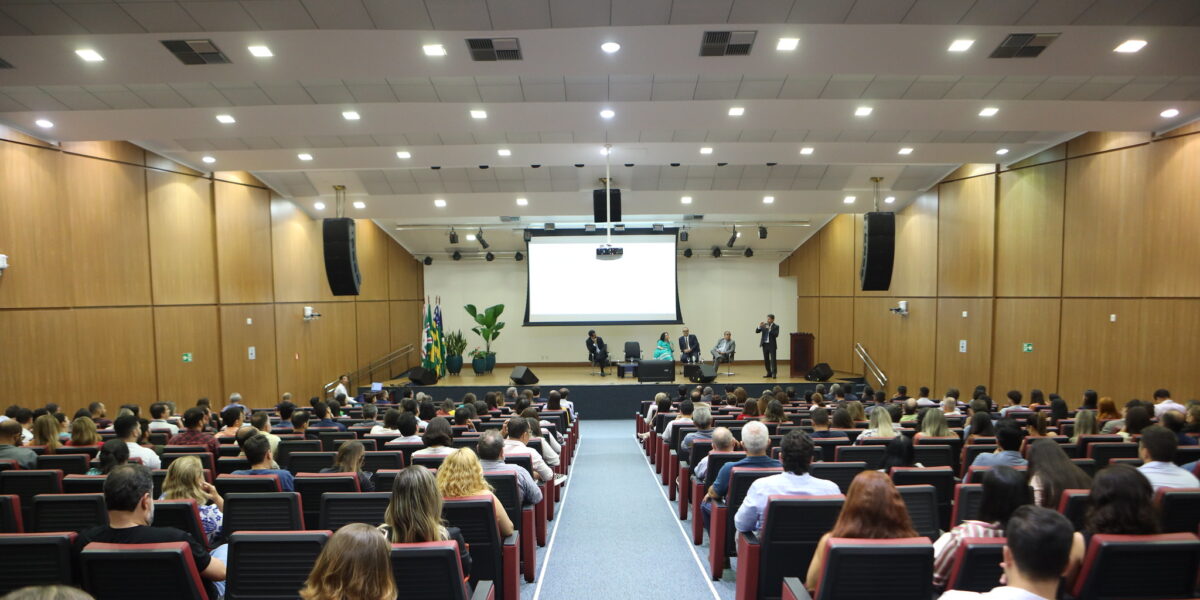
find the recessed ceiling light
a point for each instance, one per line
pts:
(351, 115)
(260, 51)
(504, 152)
(807, 150)
(319, 205)
(768, 199)
(1002, 152)
(607, 113)
(226, 119)
(889, 199)
(522, 202)
(905, 150)
(89, 55)
(470, 237)
(304, 156)
(1166, 114)
(785, 44)
(359, 204)
(479, 114)
(862, 111)
(1130, 46)
(439, 203)
(208, 159)
(989, 111)
(686, 200)
(960, 45)
(434, 50)
(849, 200)
(610, 47)
(44, 123)
(706, 150)
(737, 111)
(404, 154)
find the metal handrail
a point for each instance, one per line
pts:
(378, 363)
(872, 368)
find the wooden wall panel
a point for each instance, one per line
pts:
(903, 347)
(116, 355)
(38, 361)
(108, 150)
(313, 353)
(966, 236)
(1172, 213)
(299, 255)
(405, 325)
(404, 274)
(1097, 353)
(1019, 321)
(374, 336)
(914, 270)
(183, 258)
(1168, 348)
(33, 228)
(243, 222)
(1103, 236)
(255, 379)
(1029, 230)
(1102, 141)
(808, 315)
(963, 370)
(110, 248)
(193, 330)
(838, 271)
(835, 334)
(372, 247)
(806, 268)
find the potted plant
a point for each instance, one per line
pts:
(479, 361)
(488, 328)
(456, 342)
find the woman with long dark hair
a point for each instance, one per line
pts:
(349, 459)
(1051, 471)
(981, 426)
(1004, 490)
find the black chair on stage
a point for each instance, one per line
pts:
(633, 351)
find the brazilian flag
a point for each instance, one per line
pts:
(433, 357)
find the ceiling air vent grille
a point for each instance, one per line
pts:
(727, 43)
(196, 52)
(493, 49)
(1023, 45)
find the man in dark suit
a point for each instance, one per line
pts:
(597, 350)
(689, 347)
(768, 332)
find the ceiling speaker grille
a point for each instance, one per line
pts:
(727, 43)
(493, 49)
(1023, 45)
(196, 52)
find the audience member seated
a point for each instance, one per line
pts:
(796, 451)
(1037, 553)
(873, 510)
(113, 453)
(661, 404)
(286, 410)
(842, 421)
(233, 421)
(1163, 403)
(131, 510)
(1086, 424)
(899, 453)
(549, 454)
(185, 480)
(980, 425)
(414, 514)
(129, 429)
(235, 403)
(1014, 403)
(856, 410)
(83, 433)
(703, 419)
(391, 424)
(300, 421)
(406, 426)
(756, 440)
(438, 438)
(1008, 452)
(880, 427)
(261, 422)
(1004, 490)
(749, 410)
(543, 427)
(1051, 471)
(1121, 503)
(722, 441)
(1107, 410)
(933, 424)
(45, 433)
(821, 426)
(159, 411)
(1174, 421)
(349, 459)
(24, 418)
(355, 564)
(323, 412)
(463, 415)
(1038, 425)
(516, 432)
(258, 453)
(1136, 419)
(194, 434)
(1157, 452)
(98, 412)
(10, 445)
(923, 399)
(909, 411)
(686, 410)
(491, 457)
(1058, 409)
(48, 592)
(950, 407)
(1192, 424)
(774, 414)
(556, 401)
(1116, 424)
(461, 475)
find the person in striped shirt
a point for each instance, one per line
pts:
(1004, 491)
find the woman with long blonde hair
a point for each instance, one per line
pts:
(856, 410)
(45, 433)
(83, 432)
(355, 564)
(934, 425)
(414, 513)
(881, 426)
(185, 481)
(461, 474)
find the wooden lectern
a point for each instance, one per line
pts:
(803, 353)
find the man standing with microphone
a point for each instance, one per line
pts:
(768, 331)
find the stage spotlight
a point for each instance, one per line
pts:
(716, 252)
(453, 236)
(526, 235)
(732, 238)
(683, 235)
(490, 257)
(457, 255)
(687, 253)
(762, 232)
(518, 256)
(748, 253)
(428, 260)
(479, 238)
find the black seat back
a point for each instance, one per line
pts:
(1088, 465)
(271, 511)
(382, 459)
(183, 515)
(841, 473)
(286, 447)
(429, 570)
(739, 484)
(327, 439)
(27, 484)
(902, 565)
(967, 498)
(717, 460)
(271, 565)
(699, 449)
(35, 559)
(942, 480)
(1073, 505)
(871, 455)
(69, 464)
(506, 489)
(1103, 452)
(922, 504)
(429, 461)
(475, 517)
(129, 571)
(1180, 509)
(343, 508)
(246, 484)
(311, 486)
(310, 462)
(934, 455)
(977, 566)
(229, 464)
(68, 512)
(1139, 566)
(792, 527)
(84, 484)
(11, 520)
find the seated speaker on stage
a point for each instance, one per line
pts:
(689, 347)
(597, 350)
(663, 349)
(724, 350)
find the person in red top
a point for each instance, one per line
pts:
(195, 435)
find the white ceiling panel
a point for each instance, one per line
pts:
(281, 14)
(640, 12)
(587, 88)
(1167, 13)
(454, 15)
(700, 11)
(760, 11)
(337, 14)
(518, 14)
(75, 97)
(398, 14)
(579, 13)
(820, 11)
(674, 87)
(936, 12)
(996, 12)
(105, 18)
(846, 86)
(1105, 12)
(160, 17)
(117, 96)
(371, 90)
(803, 86)
(224, 15)
(631, 88)
(1053, 13)
(43, 18)
(879, 11)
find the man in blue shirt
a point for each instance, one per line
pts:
(258, 453)
(1008, 438)
(321, 410)
(756, 440)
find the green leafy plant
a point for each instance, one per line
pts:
(489, 324)
(456, 342)
(477, 353)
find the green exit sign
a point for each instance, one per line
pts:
(187, 357)
(1027, 347)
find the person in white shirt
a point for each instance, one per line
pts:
(685, 416)
(1157, 452)
(1037, 553)
(438, 438)
(391, 423)
(129, 429)
(566, 404)
(343, 388)
(923, 399)
(159, 422)
(796, 453)
(1163, 403)
(722, 441)
(406, 424)
(516, 436)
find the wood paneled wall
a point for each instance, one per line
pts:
(122, 262)
(1087, 252)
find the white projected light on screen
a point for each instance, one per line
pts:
(568, 285)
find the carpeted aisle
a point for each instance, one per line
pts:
(617, 537)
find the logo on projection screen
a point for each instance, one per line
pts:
(609, 252)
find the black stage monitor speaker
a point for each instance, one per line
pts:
(879, 248)
(821, 372)
(341, 258)
(700, 373)
(598, 203)
(422, 376)
(523, 376)
(656, 370)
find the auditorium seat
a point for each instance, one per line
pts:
(1088, 465)
(1085, 440)
(11, 520)
(84, 484)
(931, 455)
(246, 484)
(493, 558)
(977, 565)
(69, 464)
(1180, 509)
(311, 486)
(1072, 504)
(432, 571)
(229, 464)
(164, 570)
(429, 461)
(872, 455)
(1132, 567)
(328, 437)
(274, 511)
(35, 559)
(67, 512)
(342, 508)
(827, 447)
(969, 452)
(465, 441)
(841, 473)
(716, 460)
(975, 474)
(28, 484)
(169, 449)
(942, 480)
(505, 486)
(183, 515)
(722, 534)
(9, 464)
(309, 462)
(270, 565)
(89, 451)
(406, 449)
(670, 473)
(206, 459)
(857, 569)
(286, 447)
(967, 498)
(922, 503)
(228, 451)
(384, 478)
(699, 450)
(792, 526)
(368, 445)
(1103, 452)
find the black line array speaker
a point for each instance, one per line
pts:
(598, 206)
(821, 372)
(700, 373)
(341, 257)
(523, 376)
(422, 376)
(879, 248)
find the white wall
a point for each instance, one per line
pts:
(714, 295)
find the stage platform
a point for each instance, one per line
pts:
(609, 397)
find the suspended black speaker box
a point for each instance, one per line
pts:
(598, 203)
(341, 258)
(879, 247)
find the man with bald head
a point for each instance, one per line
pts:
(722, 441)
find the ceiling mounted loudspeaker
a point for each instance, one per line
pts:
(716, 252)
(490, 257)
(687, 253)
(748, 253)
(457, 255)
(453, 236)
(683, 235)
(762, 232)
(428, 260)
(518, 256)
